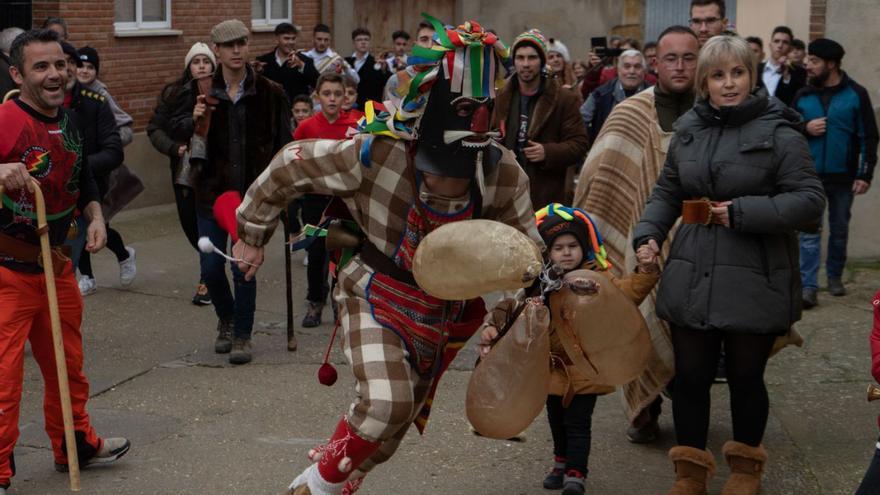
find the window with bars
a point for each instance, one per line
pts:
(142, 14)
(270, 12)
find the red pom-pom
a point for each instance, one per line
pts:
(224, 212)
(327, 374)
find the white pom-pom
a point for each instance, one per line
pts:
(315, 455)
(345, 465)
(205, 245)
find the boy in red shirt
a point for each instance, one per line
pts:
(330, 123)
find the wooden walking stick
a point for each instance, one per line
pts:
(57, 341)
(291, 337)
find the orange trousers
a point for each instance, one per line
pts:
(24, 315)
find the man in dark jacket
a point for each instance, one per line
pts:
(630, 80)
(249, 121)
(372, 73)
(540, 122)
(842, 133)
(778, 74)
(634, 147)
(284, 65)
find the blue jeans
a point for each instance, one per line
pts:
(871, 482)
(241, 309)
(840, 200)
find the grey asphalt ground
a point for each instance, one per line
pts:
(201, 426)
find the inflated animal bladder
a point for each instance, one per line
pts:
(602, 330)
(467, 259)
(508, 389)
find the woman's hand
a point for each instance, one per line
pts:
(487, 338)
(200, 108)
(720, 213)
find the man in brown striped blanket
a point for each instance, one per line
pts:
(397, 338)
(614, 185)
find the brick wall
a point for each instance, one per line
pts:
(136, 69)
(817, 18)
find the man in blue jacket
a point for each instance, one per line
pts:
(842, 133)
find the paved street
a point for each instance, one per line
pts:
(201, 426)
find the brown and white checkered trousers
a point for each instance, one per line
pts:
(389, 393)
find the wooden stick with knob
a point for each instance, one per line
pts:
(57, 340)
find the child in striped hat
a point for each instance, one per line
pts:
(573, 243)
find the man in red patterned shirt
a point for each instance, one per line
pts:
(39, 141)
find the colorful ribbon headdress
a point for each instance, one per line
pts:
(569, 213)
(468, 56)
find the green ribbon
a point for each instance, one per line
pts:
(440, 30)
(476, 69)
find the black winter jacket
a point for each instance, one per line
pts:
(786, 91)
(159, 129)
(293, 81)
(744, 278)
(100, 135)
(372, 81)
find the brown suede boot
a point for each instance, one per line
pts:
(693, 470)
(746, 467)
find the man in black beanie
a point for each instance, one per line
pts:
(842, 134)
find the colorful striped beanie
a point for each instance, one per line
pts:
(555, 219)
(535, 38)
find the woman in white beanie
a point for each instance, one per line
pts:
(559, 63)
(199, 62)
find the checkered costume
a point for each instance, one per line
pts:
(390, 394)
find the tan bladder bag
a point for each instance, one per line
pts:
(508, 388)
(603, 331)
(467, 259)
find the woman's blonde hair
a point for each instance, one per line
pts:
(720, 49)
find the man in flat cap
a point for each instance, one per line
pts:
(248, 120)
(842, 133)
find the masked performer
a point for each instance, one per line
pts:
(429, 162)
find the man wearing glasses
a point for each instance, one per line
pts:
(708, 19)
(633, 145)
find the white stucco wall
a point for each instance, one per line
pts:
(853, 24)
